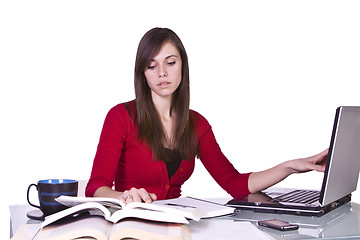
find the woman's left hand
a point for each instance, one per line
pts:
(259, 181)
(316, 162)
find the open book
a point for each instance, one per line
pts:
(115, 210)
(171, 210)
(107, 218)
(97, 228)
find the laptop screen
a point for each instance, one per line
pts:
(343, 163)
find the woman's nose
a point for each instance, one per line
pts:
(162, 72)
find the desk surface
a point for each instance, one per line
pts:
(342, 223)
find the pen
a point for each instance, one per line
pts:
(179, 205)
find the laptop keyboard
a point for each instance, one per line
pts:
(299, 196)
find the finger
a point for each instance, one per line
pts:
(323, 158)
(135, 195)
(322, 154)
(129, 198)
(145, 196)
(319, 168)
(319, 158)
(310, 166)
(123, 196)
(153, 196)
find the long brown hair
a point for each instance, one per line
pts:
(149, 123)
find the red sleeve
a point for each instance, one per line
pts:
(219, 167)
(112, 139)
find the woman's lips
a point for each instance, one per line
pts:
(164, 84)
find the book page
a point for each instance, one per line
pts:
(71, 201)
(140, 229)
(148, 215)
(182, 213)
(193, 213)
(84, 207)
(26, 232)
(116, 204)
(210, 209)
(87, 226)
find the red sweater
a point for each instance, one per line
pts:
(122, 160)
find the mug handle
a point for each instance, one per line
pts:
(28, 190)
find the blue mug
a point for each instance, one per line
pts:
(50, 189)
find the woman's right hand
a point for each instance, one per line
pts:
(137, 195)
(128, 196)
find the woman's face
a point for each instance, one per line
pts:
(163, 74)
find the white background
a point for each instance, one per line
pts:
(268, 75)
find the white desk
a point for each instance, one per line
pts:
(342, 223)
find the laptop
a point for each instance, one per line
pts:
(340, 176)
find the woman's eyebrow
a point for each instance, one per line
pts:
(171, 56)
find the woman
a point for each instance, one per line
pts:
(148, 146)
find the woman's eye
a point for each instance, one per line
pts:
(151, 67)
(171, 63)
